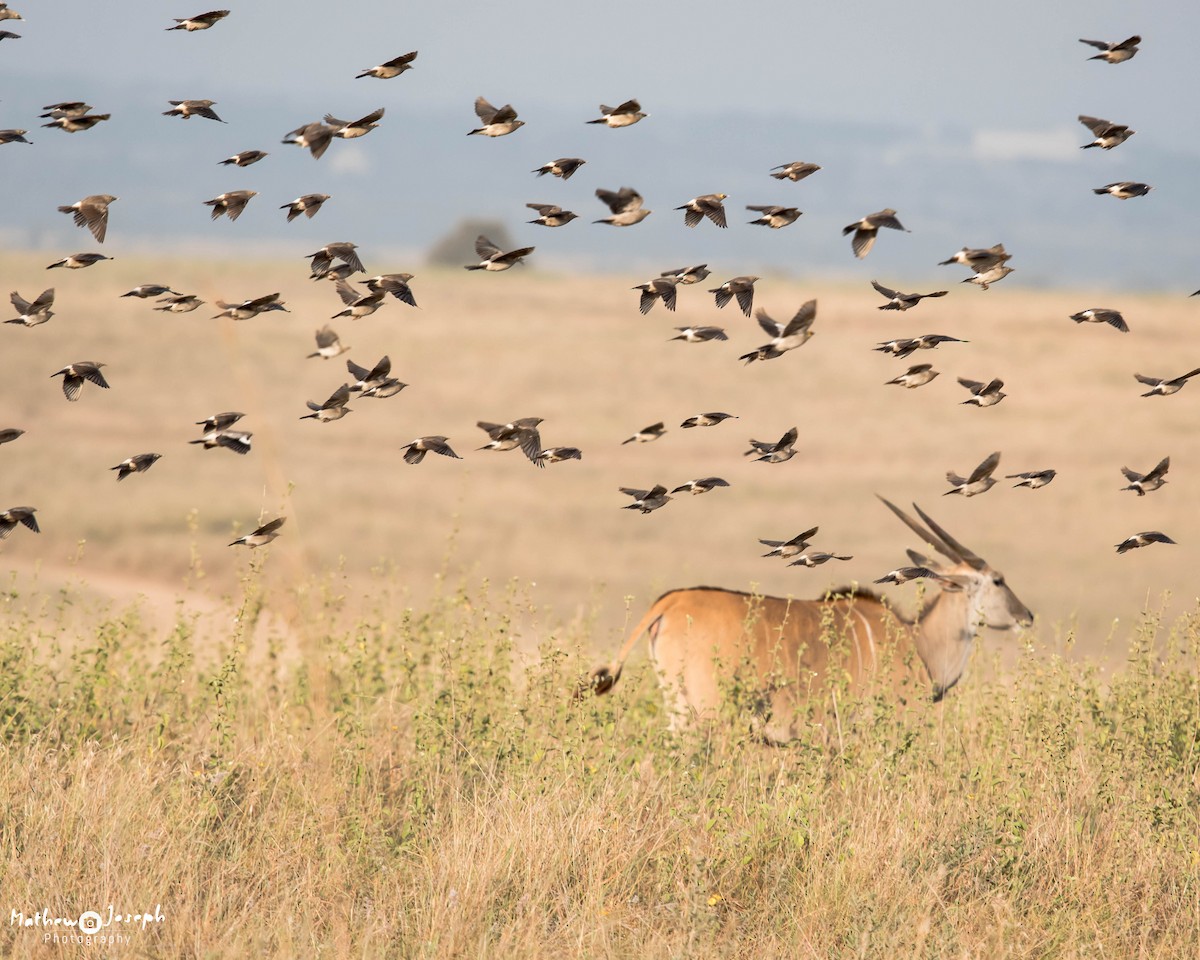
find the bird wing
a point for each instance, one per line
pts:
(20, 304)
(802, 320)
(1185, 377)
(506, 114)
(1098, 44)
(373, 117)
(772, 327)
(788, 438)
(985, 469)
(973, 385)
(348, 293)
(484, 110)
(381, 369)
(1148, 381)
(1126, 44)
(271, 527)
(485, 248)
(890, 294)
(339, 398)
(1095, 124)
(1159, 470)
(636, 494)
(1131, 475)
(358, 373)
(862, 241)
(513, 255)
(631, 106)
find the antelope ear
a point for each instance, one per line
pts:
(952, 583)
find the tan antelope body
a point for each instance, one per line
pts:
(700, 638)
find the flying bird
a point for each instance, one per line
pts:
(903, 346)
(262, 535)
(1163, 388)
(1143, 539)
(703, 485)
(521, 433)
(139, 463)
(625, 115)
(1097, 315)
(394, 283)
(358, 304)
(248, 309)
(662, 288)
(1108, 134)
(147, 290)
(689, 275)
(230, 204)
(189, 108)
(563, 167)
(415, 451)
(351, 129)
(647, 434)
(1144, 483)
(795, 171)
(983, 394)
(785, 336)
(646, 500)
(390, 68)
(332, 409)
(183, 303)
(9, 434)
(14, 136)
(1114, 52)
(91, 212)
(9, 35)
(986, 278)
(789, 548)
(779, 452)
(366, 381)
(1123, 190)
(816, 559)
(74, 374)
(35, 313)
(625, 204)
(315, 136)
(905, 574)
(67, 108)
(236, 440)
(979, 259)
(740, 287)
(78, 124)
(980, 480)
(903, 301)
(497, 122)
(13, 515)
(220, 421)
(865, 230)
(700, 334)
(323, 259)
(243, 159)
(491, 257)
(1034, 479)
(774, 217)
(308, 205)
(915, 376)
(77, 261)
(329, 345)
(707, 205)
(707, 419)
(202, 21)
(559, 454)
(551, 215)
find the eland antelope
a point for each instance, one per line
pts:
(700, 636)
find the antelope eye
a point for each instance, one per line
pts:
(998, 579)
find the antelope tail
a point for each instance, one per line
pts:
(605, 677)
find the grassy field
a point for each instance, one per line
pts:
(410, 785)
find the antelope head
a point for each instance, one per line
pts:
(989, 596)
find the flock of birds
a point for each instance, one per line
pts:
(340, 264)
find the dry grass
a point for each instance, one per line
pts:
(400, 783)
(576, 352)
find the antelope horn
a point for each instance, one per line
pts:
(941, 546)
(968, 556)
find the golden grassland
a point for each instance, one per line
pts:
(392, 782)
(575, 351)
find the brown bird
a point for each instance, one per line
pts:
(816, 559)
(703, 485)
(980, 480)
(351, 129)
(795, 333)
(415, 451)
(779, 452)
(1144, 483)
(690, 275)
(249, 309)
(647, 434)
(1163, 388)
(707, 419)
(202, 21)
(774, 217)
(903, 346)
(184, 303)
(91, 212)
(230, 204)
(77, 124)
(244, 159)
(497, 121)
(521, 433)
(236, 440)
(13, 515)
(139, 463)
(983, 394)
(1108, 134)
(74, 374)
(491, 258)
(14, 136)
(390, 68)
(707, 205)
(646, 501)
(323, 259)
(77, 261)
(332, 409)
(551, 215)
(329, 345)
(661, 289)
(9, 434)
(797, 170)
(903, 301)
(915, 376)
(625, 115)
(358, 305)
(1123, 190)
(559, 454)
(262, 535)
(35, 313)
(789, 548)
(315, 136)
(992, 275)
(394, 283)
(626, 207)
(367, 381)
(740, 287)
(979, 259)
(563, 167)
(1033, 479)
(68, 108)
(146, 290)
(308, 205)
(189, 108)
(700, 334)
(1114, 52)
(1098, 315)
(1142, 540)
(867, 228)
